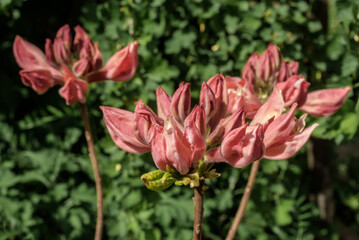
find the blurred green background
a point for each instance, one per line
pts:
(46, 183)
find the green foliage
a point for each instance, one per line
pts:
(46, 182)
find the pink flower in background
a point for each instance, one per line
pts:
(263, 72)
(73, 64)
(270, 134)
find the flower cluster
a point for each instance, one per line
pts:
(179, 138)
(71, 63)
(267, 71)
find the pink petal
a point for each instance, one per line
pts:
(178, 151)
(74, 89)
(207, 101)
(120, 126)
(197, 143)
(290, 146)
(225, 126)
(120, 67)
(214, 155)
(219, 87)
(325, 102)
(181, 103)
(158, 148)
(273, 107)
(294, 90)
(28, 56)
(243, 96)
(163, 103)
(144, 119)
(276, 58)
(38, 79)
(198, 116)
(280, 129)
(239, 148)
(64, 33)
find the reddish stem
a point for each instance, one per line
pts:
(244, 201)
(96, 172)
(198, 211)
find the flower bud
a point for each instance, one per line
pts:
(276, 57)
(198, 116)
(207, 101)
(264, 68)
(181, 103)
(62, 53)
(49, 51)
(82, 67)
(64, 33)
(219, 88)
(163, 103)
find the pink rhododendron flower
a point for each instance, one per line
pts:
(271, 134)
(179, 137)
(263, 72)
(72, 63)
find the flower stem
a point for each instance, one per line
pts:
(96, 172)
(198, 211)
(244, 201)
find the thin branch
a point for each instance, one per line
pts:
(96, 172)
(244, 201)
(198, 211)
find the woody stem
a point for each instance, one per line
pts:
(198, 211)
(96, 172)
(244, 201)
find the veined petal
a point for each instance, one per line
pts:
(294, 90)
(290, 146)
(38, 79)
(181, 103)
(239, 148)
(74, 89)
(120, 67)
(178, 151)
(144, 119)
(163, 103)
(28, 56)
(214, 155)
(273, 107)
(219, 87)
(64, 33)
(158, 148)
(225, 126)
(197, 143)
(207, 101)
(198, 116)
(120, 126)
(280, 129)
(325, 102)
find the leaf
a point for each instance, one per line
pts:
(282, 212)
(350, 65)
(180, 40)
